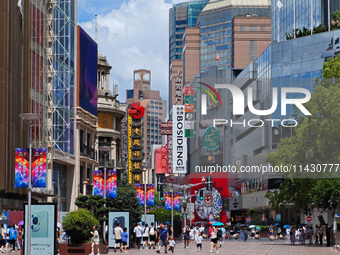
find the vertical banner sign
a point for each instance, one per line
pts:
(189, 116)
(150, 195)
(111, 183)
(98, 183)
(178, 89)
(176, 201)
(168, 201)
(21, 167)
(38, 167)
(169, 151)
(179, 153)
(140, 193)
(129, 148)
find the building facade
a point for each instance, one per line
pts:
(155, 110)
(307, 14)
(181, 15)
(216, 24)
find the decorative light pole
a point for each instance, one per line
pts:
(105, 150)
(30, 119)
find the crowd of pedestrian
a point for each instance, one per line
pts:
(10, 238)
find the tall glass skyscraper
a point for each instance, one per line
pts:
(181, 16)
(283, 18)
(215, 22)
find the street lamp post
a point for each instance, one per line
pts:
(30, 119)
(105, 150)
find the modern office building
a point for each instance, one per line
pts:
(155, 109)
(292, 63)
(216, 23)
(181, 15)
(307, 13)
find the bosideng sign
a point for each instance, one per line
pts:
(179, 152)
(239, 105)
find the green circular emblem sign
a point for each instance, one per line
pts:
(211, 138)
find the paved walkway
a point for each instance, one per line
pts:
(249, 247)
(277, 247)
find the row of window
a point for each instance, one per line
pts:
(156, 102)
(252, 28)
(155, 113)
(155, 107)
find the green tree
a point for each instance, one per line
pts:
(316, 141)
(79, 224)
(126, 201)
(163, 216)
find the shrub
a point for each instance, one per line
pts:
(78, 225)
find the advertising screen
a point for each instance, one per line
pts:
(123, 218)
(111, 183)
(87, 72)
(98, 182)
(150, 218)
(43, 225)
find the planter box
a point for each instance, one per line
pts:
(103, 248)
(74, 249)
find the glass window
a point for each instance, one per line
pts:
(263, 28)
(252, 28)
(242, 28)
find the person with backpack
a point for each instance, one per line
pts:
(13, 235)
(146, 236)
(152, 235)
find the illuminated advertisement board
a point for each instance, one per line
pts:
(43, 224)
(87, 72)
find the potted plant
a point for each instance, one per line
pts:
(78, 226)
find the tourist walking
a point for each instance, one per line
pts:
(152, 235)
(172, 244)
(138, 230)
(125, 237)
(95, 240)
(118, 237)
(213, 242)
(163, 239)
(199, 241)
(146, 236)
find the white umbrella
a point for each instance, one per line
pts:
(252, 226)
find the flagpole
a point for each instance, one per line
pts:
(294, 22)
(311, 17)
(278, 27)
(329, 16)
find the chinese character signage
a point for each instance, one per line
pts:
(179, 142)
(189, 112)
(178, 89)
(135, 141)
(98, 182)
(211, 138)
(111, 183)
(38, 167)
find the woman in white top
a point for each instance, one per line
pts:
(214, 239)
(192, 235)
(146, 236)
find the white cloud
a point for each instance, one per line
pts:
(135, 36)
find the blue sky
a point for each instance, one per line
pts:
(132, 34)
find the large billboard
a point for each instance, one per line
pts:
(43, 225)
(123, 218)
(38, 167)
(87, 72)
(179, 142)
